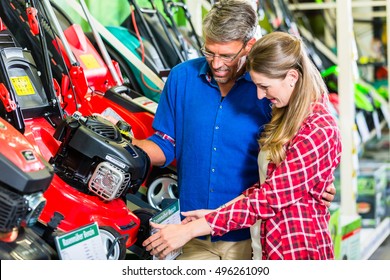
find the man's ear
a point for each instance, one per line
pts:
(250, 44)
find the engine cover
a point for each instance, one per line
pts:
(96, 158)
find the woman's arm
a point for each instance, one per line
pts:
(171, 237)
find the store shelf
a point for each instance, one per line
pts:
(371, 239)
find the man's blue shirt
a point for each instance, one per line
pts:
(215, 138)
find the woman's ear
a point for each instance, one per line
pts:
(292, 76)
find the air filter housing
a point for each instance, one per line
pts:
(95, 158)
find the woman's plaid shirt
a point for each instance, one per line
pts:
(294, 219)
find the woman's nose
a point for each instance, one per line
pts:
(261, 94)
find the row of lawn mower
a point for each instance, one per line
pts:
(57, 96)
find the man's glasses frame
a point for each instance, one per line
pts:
(224, 58)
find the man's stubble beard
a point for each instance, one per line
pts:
(240, 70)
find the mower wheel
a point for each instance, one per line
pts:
(162, 187)
(144, 214)
(114, 244)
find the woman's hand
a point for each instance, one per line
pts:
(194, 215)
(167, 239)
(172, 237)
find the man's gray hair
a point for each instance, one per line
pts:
(230, 20)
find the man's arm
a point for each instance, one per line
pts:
(156, 155)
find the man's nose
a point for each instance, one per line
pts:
(217, 62)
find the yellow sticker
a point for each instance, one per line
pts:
(22, 85)
(89, 61)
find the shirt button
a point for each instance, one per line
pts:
(213, 170)
(214, 148)
(220, 107)
(217, 127)
(211, 190)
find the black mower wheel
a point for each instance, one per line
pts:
(114, 244)
(144, 214)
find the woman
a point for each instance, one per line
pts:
(300, 149)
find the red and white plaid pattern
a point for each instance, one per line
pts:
(294, 219)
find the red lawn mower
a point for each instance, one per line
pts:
(24, 176)
(94, 162)
(88, 84)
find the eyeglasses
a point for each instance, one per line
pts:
(223, 57)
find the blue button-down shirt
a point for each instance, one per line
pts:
(215, 139)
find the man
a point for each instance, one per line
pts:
(209, 119)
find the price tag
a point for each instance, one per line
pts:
(81, 244)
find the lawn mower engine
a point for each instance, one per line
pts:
(24, 177)
(97, 158)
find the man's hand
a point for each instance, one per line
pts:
(328, 195)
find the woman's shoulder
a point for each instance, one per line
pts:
(320, 118)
